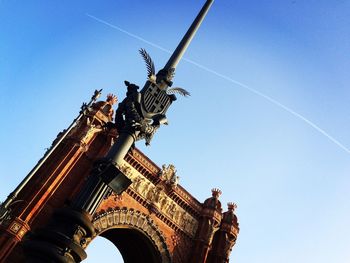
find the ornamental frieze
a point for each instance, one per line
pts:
(121, 218)
(157, 197)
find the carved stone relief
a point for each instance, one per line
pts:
(156, 196)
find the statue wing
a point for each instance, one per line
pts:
(148, 61)
(178, 90)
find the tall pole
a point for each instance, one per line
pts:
(187, 38)
(138, 116)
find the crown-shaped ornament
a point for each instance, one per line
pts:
(111, 98)
(231, 206)
(216, 192)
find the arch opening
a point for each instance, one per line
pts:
(133, 245)
(135, 234)
(102, 250)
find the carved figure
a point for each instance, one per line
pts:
(151, 193)
(163, 203)
(168, 174)
(158, 194)
(162, 172)
(137, 183)
(128, 112)
(177, 216)
(174, 180)
(171, 210)
(184, 220)
(146, 189)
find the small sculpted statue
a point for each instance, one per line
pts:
(168, 174)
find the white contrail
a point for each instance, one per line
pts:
(313, 125)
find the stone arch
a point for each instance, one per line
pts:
(135, 225)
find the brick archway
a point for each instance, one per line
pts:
(158, 213)
(136, 235)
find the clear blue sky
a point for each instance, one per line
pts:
(289, 177)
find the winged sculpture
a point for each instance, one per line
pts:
(152, 77)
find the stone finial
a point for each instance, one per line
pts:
(216, 192)
(231, 206)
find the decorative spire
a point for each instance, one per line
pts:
(216, 192)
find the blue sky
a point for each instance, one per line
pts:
(290, 181)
